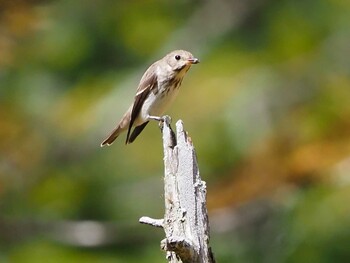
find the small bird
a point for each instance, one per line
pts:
(157, 89)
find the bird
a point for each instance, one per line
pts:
(158, 88)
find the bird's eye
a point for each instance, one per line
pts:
(177, 57)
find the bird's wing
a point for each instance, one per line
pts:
(137, 131)
(147, 84)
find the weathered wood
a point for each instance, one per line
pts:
(185, 221)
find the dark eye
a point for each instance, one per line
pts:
(177, 57)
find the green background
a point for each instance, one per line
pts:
(268, 110)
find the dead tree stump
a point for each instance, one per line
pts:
(185, 221)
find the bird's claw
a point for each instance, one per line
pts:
(164, 119)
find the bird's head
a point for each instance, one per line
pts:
(180, 59)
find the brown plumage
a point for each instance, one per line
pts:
(157, 89)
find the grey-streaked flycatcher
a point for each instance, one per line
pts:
(157, 89)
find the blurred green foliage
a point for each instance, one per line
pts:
(270, 124)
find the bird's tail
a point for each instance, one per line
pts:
(122, 126)
(111, 138)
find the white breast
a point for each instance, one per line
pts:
(158, 102)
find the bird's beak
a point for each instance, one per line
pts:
(193, 61)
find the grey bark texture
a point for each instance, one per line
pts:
(185, 222)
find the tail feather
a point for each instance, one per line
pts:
(121, 127)
(111, 138)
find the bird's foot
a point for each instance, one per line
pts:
(164, 119)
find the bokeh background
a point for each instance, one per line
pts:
(268, 110)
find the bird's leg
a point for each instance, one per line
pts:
(161, 120)
(155, 118)
(164, 119)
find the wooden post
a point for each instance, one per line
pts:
(185, 221)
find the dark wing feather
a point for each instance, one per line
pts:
(137, 131)
(147, 84)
